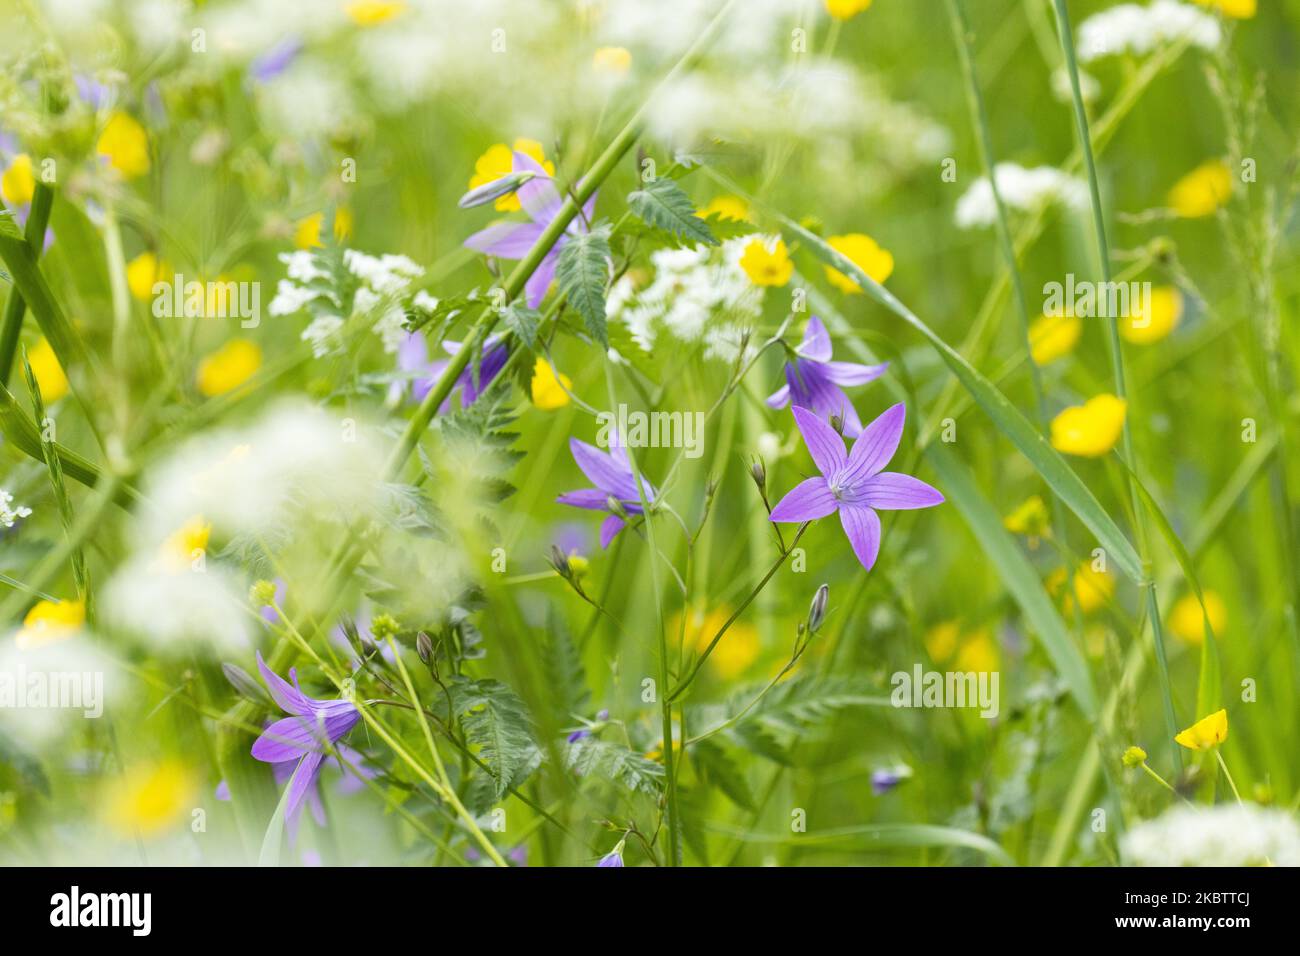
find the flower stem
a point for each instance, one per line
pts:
(1224, 767)
(1117, 368)
(34, 233)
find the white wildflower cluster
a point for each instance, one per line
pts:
(384, 281)
(1222, 835)
(696, 294)
(1139, 30)
(815, 102)
(290, 477)
(8, 513)
(1024, 190)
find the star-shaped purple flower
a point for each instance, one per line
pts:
(852, 483)
(512, 240)
(611, 473)
(813, 380)
(301, 738)
(413, 359)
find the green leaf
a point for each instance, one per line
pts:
(8, 227)
(1059, 476)
(592, 756)
(662, 203)
(719, 769)
(497, 722)
(566, 680)
(269, 855)
(523, 322)
(582, 272)
(882, 836)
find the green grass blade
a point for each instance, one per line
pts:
(16, 307)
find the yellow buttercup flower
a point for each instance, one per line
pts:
(1165, 311)
(1202, 191)
(185, 544)
(125, 145)
(369, 13)
(1205, 733)
(865, 253)
(1089, 430)
(726, 207)
(50, 621)
(498, 160)
(143, 271)
(1093, 588)
(50, 377)
(18, 185)
(767, 262)
(614, 60)
(228, 367)
(1054, 336)
(846, 9)
(549, 391)
(738, 648)
(941, 640)
(307, 233)
(977, 653)
(1030, 518)
(152, 798)
(1187, 621)
(1237, 9)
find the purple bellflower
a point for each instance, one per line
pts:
(813, 380)
(512, 240)
(299, 740)
(614, 857)
(852, 483)
(611, 473)
(413, 360)
(275, 60)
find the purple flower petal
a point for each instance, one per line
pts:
(851, 373)
(891, 491)
(816, 344)
(223, 791)
(877, 444)
(540, 281)
(506, 240)
(288, 696)
(302, 782)
(824, 443)
(539, 197)
(609, 529)
(593, 499)
(780, 398)
(286, 739)
(812, 498)
(862, 526)
(602, 471)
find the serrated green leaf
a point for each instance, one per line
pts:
(523, 322)
(566, 678)
(497, 722)
(592, 756)
(719, 769)
(662, 203)
(582, 272)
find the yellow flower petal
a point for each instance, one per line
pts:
(1202, 191)
(125, 145)
(726, 207)
(737, 650)
(48, 622)
(865, 253)
(1165, 312)
(1092, 588)
(767, 263)
(614, 60)
(49, 373)
(548, 391)
(1089, 430)
(18, 185)
(1054, 336)
(185, 545)
(846, 9)
(1237, 9)
(1029, 518)
(978, 653)
(1188, 623)
(1205, 733)
(369, 13)
(152, 798)
(498, 160)
(143, 271)
(307, 233)
(228, 367)
(941, 641)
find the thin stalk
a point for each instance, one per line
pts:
(1117, 368)
(10, 328)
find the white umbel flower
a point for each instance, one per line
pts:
(1223, 835)
(9, 514)
(1024, 190)
(1139, 30)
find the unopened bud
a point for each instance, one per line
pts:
(494, 190)
(559, 561)
(1134, 757)
(616, 507)
(244, 684)
(817, 611)
(384, 626)
(758, 471)
(262, 593)
(423, 646)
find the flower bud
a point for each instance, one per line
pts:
(1134, 757)
(423, 646)
(494, 190)
(758, 471)
(262, 593)
(616, 507)
(244, 684)
(384, 626)
(817, 610)
(559, 561)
